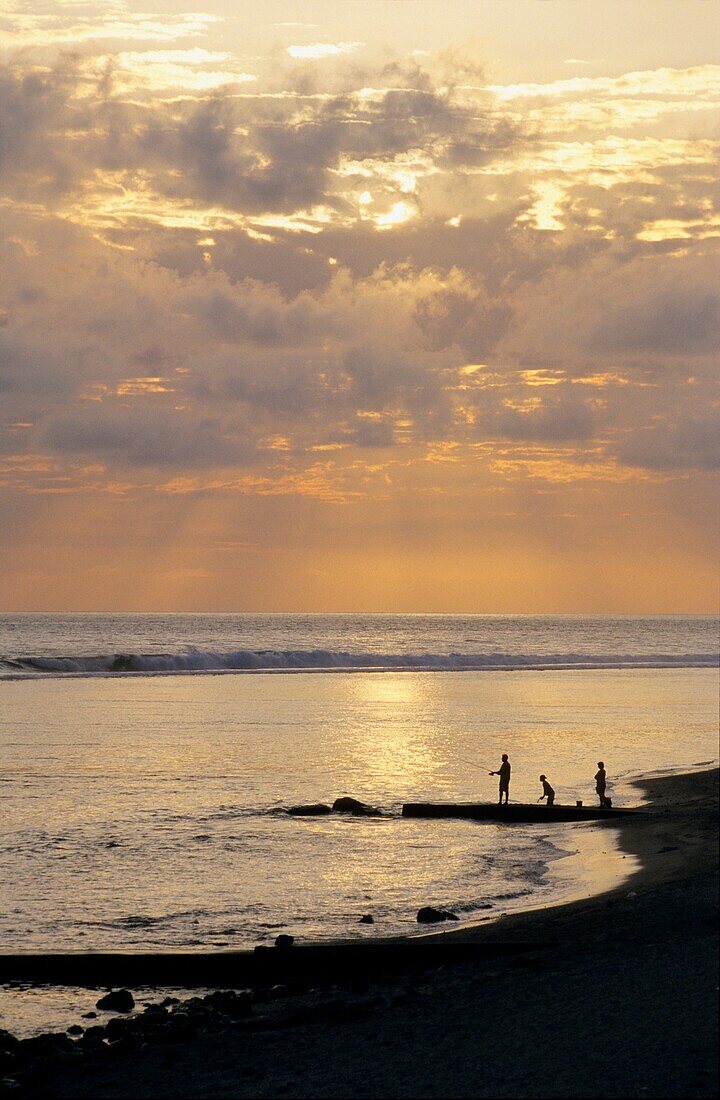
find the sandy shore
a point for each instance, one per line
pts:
(616, 997)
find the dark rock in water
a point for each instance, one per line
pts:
(182, 1025)
(367, 919)
(229, 1002)
(352, 806)
(284, 941)
(75, 1029)
(93, 1047)
(89, 1015)
(119, 1000)
(277, 991)
(44, 1046)
(429, 915)
(314, 809)
(124, 1045)
(175, 1033)
(119, 1025)
(8, 1041)
(151, 1022)
(94, 1032)
(8, 1062)
(242, 1005)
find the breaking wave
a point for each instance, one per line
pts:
(195, 661)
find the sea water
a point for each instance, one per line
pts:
(32, 645)
(144, 799)
(149, 762)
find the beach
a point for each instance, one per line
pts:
(613, 995)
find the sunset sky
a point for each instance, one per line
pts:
(362, 305)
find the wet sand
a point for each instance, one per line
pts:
(615, 995)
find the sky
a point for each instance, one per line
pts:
(372, 305)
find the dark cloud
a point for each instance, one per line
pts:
(640, 311)
(373, 433)
(264, 321)
(141, 439)
(490, 249)
(413, 386)
(33, 375)
(301, 334)
(34, 106)
(467, 318)
(277, 261)
(558, 418)
(375, 377)
(254, 156)
(277, 167)
(286, 392)
(687, 444)
(677, 322)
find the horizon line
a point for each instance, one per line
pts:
(427, 614)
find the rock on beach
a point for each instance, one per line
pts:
(429, 915)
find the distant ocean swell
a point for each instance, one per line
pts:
(322, 660)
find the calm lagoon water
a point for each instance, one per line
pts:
(146, 812)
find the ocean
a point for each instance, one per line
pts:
(149, 761)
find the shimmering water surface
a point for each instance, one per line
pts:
(147, 812)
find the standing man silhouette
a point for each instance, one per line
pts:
(504, 773)
(600, 782)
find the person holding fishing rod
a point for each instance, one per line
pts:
(504, 773)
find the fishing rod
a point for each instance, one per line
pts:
(494, 771)
(480, 767)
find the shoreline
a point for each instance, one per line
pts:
(637, 838)
(633, 837)
(111, 967)
(22, 966)
(612, 995)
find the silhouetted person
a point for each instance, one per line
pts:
(548, 791)
(600, 782)
(504, 773)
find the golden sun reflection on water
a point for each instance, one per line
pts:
(390, 688)
(397, 742)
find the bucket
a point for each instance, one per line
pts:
(579, 802)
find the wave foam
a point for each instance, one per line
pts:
(323, 660)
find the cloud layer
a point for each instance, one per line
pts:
(326, 275)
